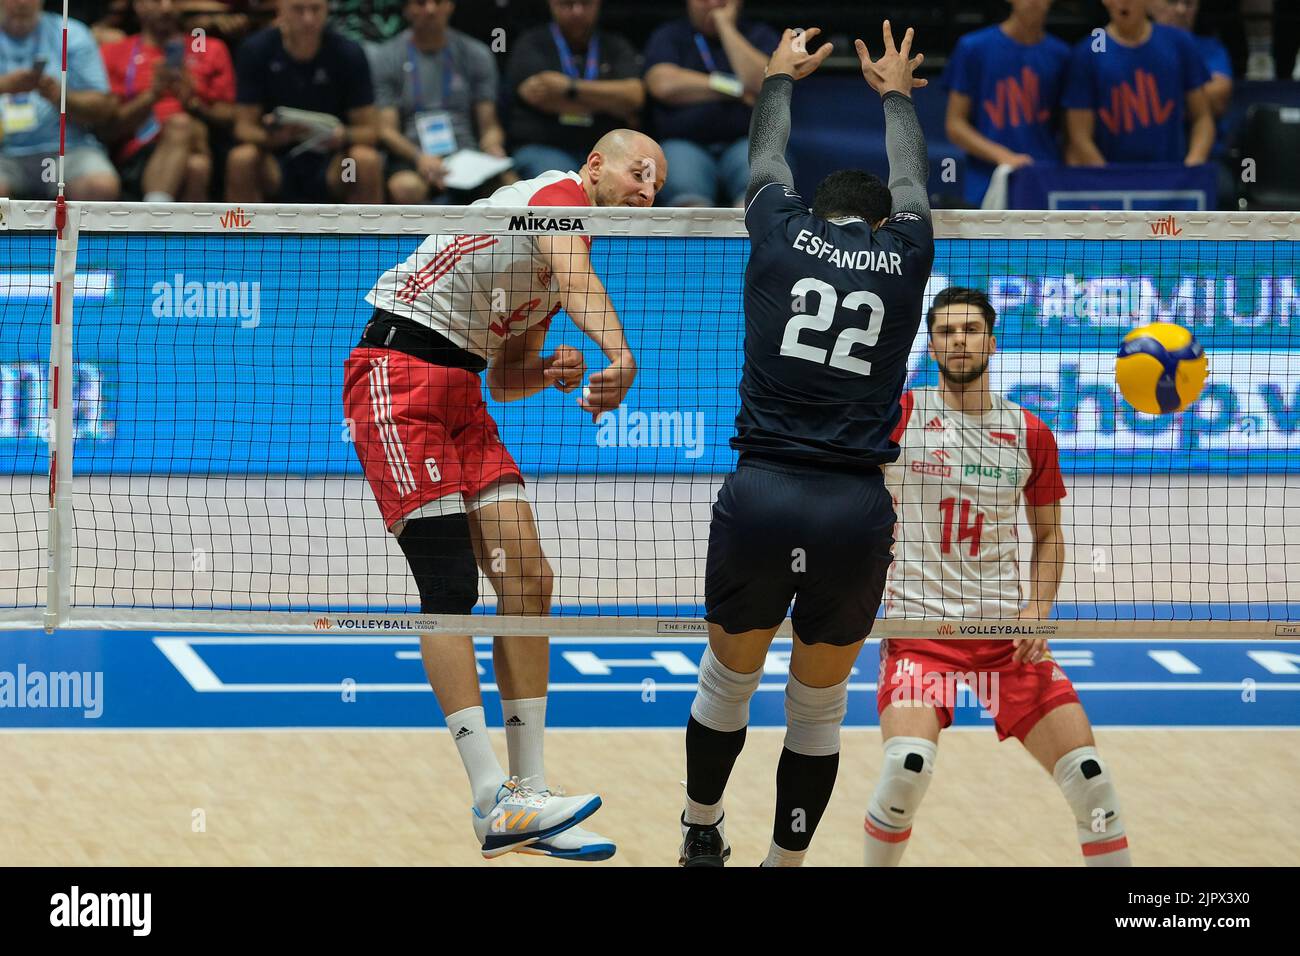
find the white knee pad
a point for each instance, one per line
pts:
(813, 716)
(904, 777)
(722, 702)
(1090, 792)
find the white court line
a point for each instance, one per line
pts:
(193, 668)
(179, 651)
(437, 728)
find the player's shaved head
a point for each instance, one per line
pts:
(626, 168)
(625, 143)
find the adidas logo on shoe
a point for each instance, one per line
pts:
(463, 732)
(514, 721)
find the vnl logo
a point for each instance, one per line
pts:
(75, 908)
(180, 299)
(626, 429)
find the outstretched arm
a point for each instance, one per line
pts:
(583, 296)
(891, 77)
(769, 127)
(909, 169)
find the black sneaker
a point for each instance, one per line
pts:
(703, 844)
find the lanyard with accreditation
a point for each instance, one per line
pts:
(570, 67)
(437, 137)
(728, 84)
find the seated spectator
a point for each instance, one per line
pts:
(300, 64)
(572, 84)
(703, 73)
(1182, 14)
(1132, 93)
(369, 22)
(172, 87)
(436, 89)
(31, 53)
(1004, 90)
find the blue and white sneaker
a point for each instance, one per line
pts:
(523, 816)
(574, 843)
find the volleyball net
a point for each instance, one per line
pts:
(175, 454)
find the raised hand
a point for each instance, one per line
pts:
(791, 56)
(893, 71)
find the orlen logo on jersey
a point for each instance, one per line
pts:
(930, 468)
(531, 223)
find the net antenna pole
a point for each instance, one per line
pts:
(58, 597)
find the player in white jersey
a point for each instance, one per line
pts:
(449, 489)
(968, 460)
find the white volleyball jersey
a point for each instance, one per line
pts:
(478, 291)
(957, 487)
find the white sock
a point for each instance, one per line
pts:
(525, 721)
(469, 730)
(704, 814)
(159, 196)
(778, 856)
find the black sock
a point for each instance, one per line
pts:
(803, 788)
(710, 755)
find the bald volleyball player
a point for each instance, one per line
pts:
(458, 308)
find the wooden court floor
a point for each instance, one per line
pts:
(1190, 798)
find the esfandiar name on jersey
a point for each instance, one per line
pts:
(551, 225)
(890, 262)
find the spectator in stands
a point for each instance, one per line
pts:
(1182, 14)
(1004, 92)
(31, 52)
(300, 64)
(171, 87)
(369, 22)
(703, 73)
(436, 89)
(1133, 92)
(572, 84)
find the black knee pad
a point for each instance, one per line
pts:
(441, 557)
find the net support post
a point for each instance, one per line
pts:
(59, 437)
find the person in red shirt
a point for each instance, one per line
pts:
(171, 87)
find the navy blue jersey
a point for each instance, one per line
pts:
(831, 311)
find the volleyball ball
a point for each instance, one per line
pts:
(1161, 368)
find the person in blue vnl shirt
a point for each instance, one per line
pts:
(1135, 91)
(1004, 89)
(1182, 14)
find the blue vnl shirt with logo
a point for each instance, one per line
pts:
(1015, 91)
(1138, 94)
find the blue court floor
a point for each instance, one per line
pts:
(95, 680)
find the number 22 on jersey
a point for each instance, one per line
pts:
(822, 319)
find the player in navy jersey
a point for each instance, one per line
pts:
(833, 300)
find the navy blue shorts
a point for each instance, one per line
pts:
(783, 533)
